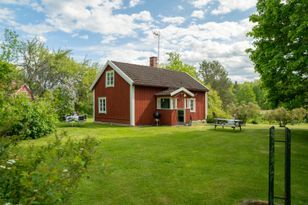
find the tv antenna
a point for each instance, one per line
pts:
(157, 34)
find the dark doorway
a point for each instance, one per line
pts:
(181, 116)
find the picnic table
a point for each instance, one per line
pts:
(228, 123)
(75, 118)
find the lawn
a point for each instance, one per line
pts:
(185, 165)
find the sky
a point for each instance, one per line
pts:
(122, 30)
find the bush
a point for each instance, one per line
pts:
(247, 111)
(45, 174)
(27, 119)
(298, 115)
(283, 116)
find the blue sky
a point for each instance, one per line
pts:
(121, 30)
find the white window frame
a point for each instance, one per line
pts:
(173, 103)
(101, 108)
(189, 100)
(108, 82)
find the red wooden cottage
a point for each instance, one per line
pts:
(130, 94)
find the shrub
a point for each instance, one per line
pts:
(45, 174)
(282, 116)
(27, 119)
(298, 115)
(247, 111)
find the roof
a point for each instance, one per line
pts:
(25, 88)
(154, 77)
(174, 91)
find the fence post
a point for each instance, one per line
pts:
(287, 166)
(271, 166)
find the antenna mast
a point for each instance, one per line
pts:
(157, 34)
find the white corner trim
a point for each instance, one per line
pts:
(117, 69)
(206, 106)
(180, 90)
(93, 105)
(132, 105)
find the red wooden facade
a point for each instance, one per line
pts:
(117, 100)
(24, 89)
(127, 103)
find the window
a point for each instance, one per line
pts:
(191, 104)
(110, 78)
(102, 105)
(165, 103)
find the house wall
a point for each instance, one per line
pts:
(168, 117)
(200, 106)
(117, 97)
(145, 104)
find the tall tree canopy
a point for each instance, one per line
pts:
(280, 50)
(51, 74)
(213, 73)
(175, 63)
(244, 93)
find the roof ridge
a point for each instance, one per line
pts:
(152, 67)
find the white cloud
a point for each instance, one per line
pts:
(36, 29)
(226, 6)
(95, 16)
(200, 3)
(198, 14)
(7, 16)
(173, 19)
(134, 3)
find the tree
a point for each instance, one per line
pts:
(245, 93)
(214, 74)
(10, 47)
(260, 93)
(175, 63)
(44, 70)
(214, 105)
(280, 50)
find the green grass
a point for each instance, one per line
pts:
(185, 165)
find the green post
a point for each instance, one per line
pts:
(287, 167)
(271, 166)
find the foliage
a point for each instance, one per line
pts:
(10, 47)
(283, 116)
(246, 111)
(214, 74)
(49, 71)
(8, 74)
(175, 63)
(244, 93)
(44, 174)
(298, 115)
(214, 106)
(280, 50)
(27, 119)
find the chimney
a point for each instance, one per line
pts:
(153, 61)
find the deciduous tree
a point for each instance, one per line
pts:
(280, 50)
